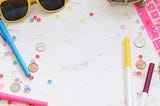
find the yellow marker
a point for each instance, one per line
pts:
(128, 72)
(127, 52)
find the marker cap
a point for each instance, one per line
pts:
(148, 78)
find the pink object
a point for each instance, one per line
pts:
(148, 78)
(150, 16)
(6, 96)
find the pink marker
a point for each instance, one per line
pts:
(6, 96)
(146, 85)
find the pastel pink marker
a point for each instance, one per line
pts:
(19, 99)
(147, 85)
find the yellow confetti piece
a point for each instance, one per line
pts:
(126, 14)
(147, 46)
(143, 71)
(57, 16)
(69, 8)
(14, 58)
(82, 20)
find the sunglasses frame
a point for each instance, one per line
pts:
(28, 10)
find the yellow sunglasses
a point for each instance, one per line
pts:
(17, 10)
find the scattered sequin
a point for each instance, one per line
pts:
(137, 21)
(82, 20)
(57, 16)
(31, 77)
(33, 60)
(139, 73)
(9, 102)
(122, 26)
(17, 79)
(1, 86)
(139, 93)
(70, 8)
(140, 56)
(49, 81)
(27, 89)
(14, 37)
(91, 14)
(38, 19)
(34, 17)
(15, 62)
(1, 75)
(31, 20)
(37, 56)
(143, 71)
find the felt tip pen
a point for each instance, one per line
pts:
(5, 96)
(6, 36)
(146, 85)
(128, 71)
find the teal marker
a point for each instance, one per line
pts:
(6, 36)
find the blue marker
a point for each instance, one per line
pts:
(6, 36)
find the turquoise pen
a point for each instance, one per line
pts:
(6, 36)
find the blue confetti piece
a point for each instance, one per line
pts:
(14, 37)
(31, 20)
(49, 81)
(14, 62)
(27, 90)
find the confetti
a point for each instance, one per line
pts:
(57, 16)
(143, 71)
(37, 56)
(31, 20)
(34, 17)
(138, 73)
(122, 26)
(1, 75)
(91, 14)
(38, 19)
(82, 20)
(31, 77)
(140, 56)
(27, 89)
(14, 37)
(70, 8)
(49, 81)
(17, 79)
(33, 60)
(1, 86)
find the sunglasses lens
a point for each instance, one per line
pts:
(13, 10)
(52, 4)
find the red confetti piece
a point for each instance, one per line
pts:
(37, 56)
(91, 14)
(34, 17)
(38, 19)
(9, 102)
(31, 77)
(140, 56)
(1, 75)
(139, 73)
